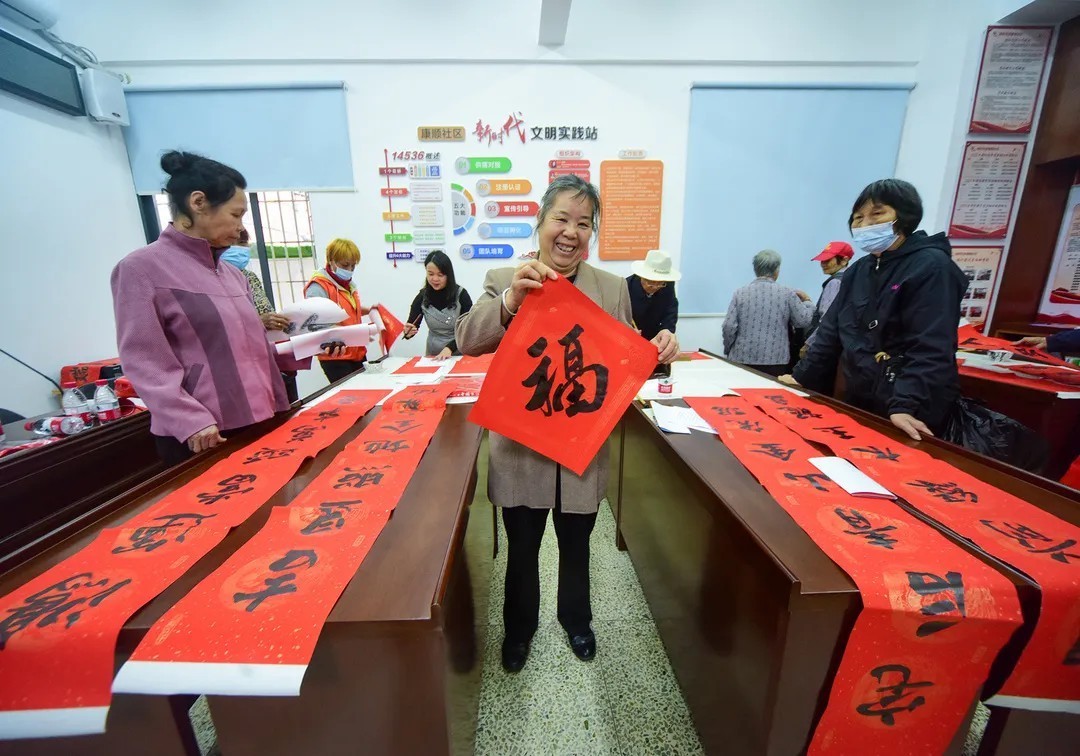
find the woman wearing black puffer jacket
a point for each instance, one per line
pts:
(893, 326)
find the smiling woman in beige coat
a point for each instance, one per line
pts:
(524, 484)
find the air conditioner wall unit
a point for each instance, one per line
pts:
(32, 14)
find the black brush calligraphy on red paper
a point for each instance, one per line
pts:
(171, 527)
(226, 489)
(951, 587)
(895, 693)
(1034, 541)
(862, 527)
(276, 585)
(63, 601)
(947, 491)
(568, 396)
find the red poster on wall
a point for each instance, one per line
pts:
(934, 617)
(563, 376)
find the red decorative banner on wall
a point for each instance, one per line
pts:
(251, 626)
(58, 632)
(934, 617)
(1032, 541)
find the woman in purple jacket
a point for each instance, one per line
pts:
(190, 339)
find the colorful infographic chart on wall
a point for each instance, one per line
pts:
(476, 196)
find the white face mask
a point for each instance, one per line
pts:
(874, 239)
(344, 275)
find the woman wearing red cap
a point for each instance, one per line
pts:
(834, 260)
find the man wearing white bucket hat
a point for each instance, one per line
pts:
(652, 298)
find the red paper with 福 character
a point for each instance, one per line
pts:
(933, 619)
(251, 626)
(58, 632)
(563, 375)
(1043, 547)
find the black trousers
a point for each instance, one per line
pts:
(524, 532)
(171, 451)
(337, 369)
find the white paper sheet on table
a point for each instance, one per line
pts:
(432, 362)
(306, 316)
(850, 478)
(679, 419)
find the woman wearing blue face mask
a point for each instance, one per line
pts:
(239, 256)
(335, 282)
(893, 326)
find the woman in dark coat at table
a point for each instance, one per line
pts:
(893, 326)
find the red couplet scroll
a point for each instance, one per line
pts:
(971, 339)
(563, 376)
(934, 617)
(251, 626)
(58, 632)
(1032, 541)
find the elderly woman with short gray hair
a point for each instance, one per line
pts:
(525, 485)
(760, 316)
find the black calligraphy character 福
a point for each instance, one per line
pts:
(1030, 538)
(862, 527)
(331, 517)
(268, 453)
(389, 445)
(358, 478)
(275, 586)
(814, 479)
(872, 451)
(227, 488)
(150, 537)
(928, 584)
(774, 450)
(568, 396)
(896, 695)
(64, 600)
(837, 430)
(949, 491)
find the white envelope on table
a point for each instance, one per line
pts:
(850, 478)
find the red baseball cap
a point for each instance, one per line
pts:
(835, 249)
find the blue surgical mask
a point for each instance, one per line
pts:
(344, 275)
(874, 239)
(238, 256)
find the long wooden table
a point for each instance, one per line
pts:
(396, 669)
(752, 614)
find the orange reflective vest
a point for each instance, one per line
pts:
(349, 301)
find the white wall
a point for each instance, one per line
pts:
(626, 68)
(68, 213)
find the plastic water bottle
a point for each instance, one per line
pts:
(56, 426)
(106, 405)
(74, 404)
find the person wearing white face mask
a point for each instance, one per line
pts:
(239, 256)
(335, 282)
(893, 326)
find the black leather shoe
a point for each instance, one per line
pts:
(514, 655)
(583, 646)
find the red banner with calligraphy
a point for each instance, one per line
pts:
(251, 626)
(1032, 541)
(974, 341)
(934, 617)
(562, 376)
(58, 632)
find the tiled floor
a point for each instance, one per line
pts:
(626, 701)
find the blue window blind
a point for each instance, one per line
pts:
(777, 167)
(292, 136)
